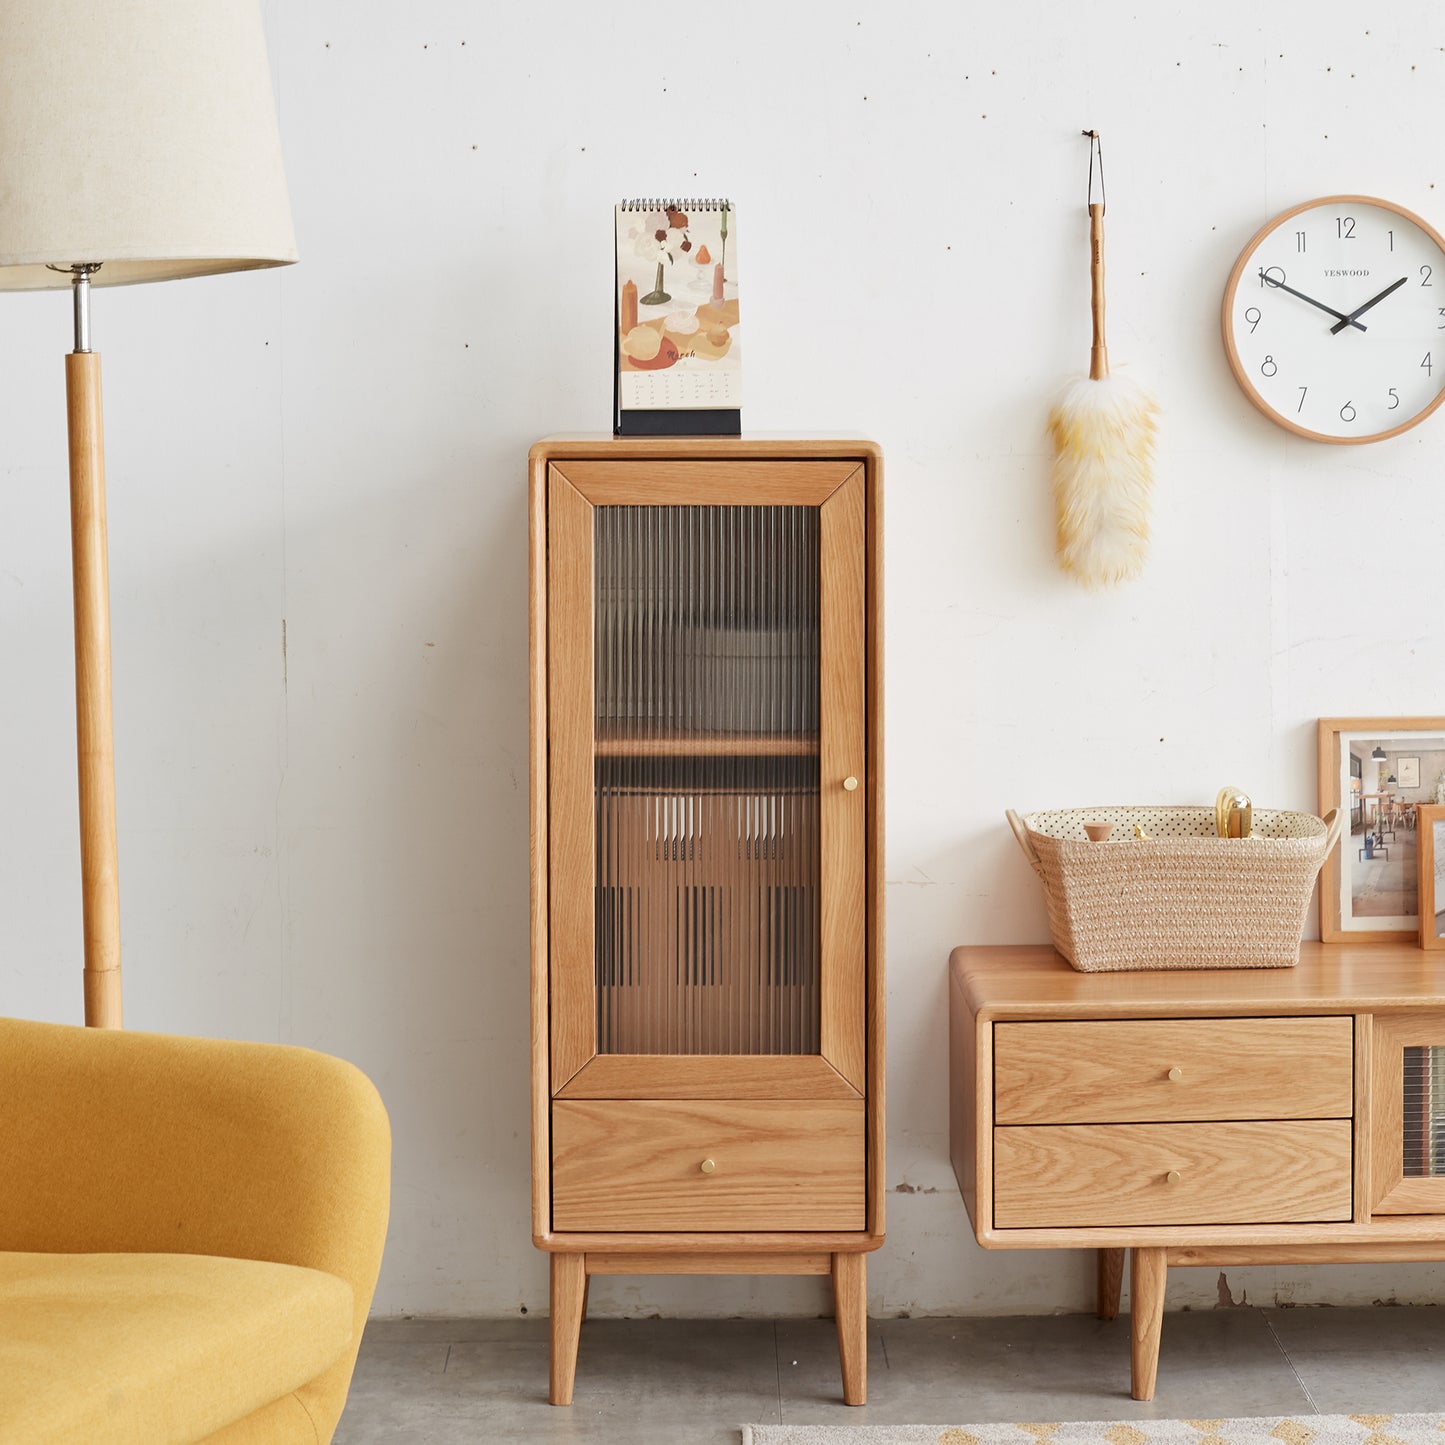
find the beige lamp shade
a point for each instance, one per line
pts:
(140, 134)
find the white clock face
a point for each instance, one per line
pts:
(1334, 320)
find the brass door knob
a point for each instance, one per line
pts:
(708, 1166)
(1176, 1074)
(850, 785)
(1172, 1176)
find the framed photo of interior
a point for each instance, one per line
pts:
(1370, 886)
(1430, 830)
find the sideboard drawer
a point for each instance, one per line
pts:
(1120, 1071)
(637, 1164)
(1075, 1175)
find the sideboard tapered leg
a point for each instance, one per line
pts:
(1111, 1277)
(1148, 1271)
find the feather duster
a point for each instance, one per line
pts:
(1102, 430)
(1103, 474)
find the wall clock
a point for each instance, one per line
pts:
(1334, 319)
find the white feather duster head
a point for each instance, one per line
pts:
(1103, 475)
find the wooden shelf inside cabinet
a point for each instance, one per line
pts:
(1200, 1116)
(706, 829)
(704, 745)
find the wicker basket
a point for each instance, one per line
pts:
(1183, 898)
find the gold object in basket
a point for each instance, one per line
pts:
(1233, 814)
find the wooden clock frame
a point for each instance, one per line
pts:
(1231, 351)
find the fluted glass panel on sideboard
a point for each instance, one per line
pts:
(1424, 1114)
(707, 788)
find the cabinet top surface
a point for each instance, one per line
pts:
(1033, 981)
(757, 445)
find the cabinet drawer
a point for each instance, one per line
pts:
(1118, 1174)
(1146, 1070)
(636, 1164)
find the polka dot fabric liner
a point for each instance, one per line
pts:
(1159, 823)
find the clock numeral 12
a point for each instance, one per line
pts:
(1345, 228)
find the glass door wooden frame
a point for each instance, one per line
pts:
(839, 490)
(1393, 1192)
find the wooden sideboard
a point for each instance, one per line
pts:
(1200, 1117)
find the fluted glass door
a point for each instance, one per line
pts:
(1407, 1086)
(1423, 1107)
(707, 741)
(706, 693)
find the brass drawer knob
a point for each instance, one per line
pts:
(1176, 1074)
(708, 1166)
(1172, 1176)
(850, 785)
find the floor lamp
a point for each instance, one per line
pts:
(138, 142)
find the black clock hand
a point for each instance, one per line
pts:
(1360, 310)
(1344, 320)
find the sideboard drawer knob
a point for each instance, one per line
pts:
(1176, 1074)
(850, 785)
(707, 1166)
(1172, 1176)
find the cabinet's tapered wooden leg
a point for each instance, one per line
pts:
(586, 1293)
(1148, 1271)
(1111, 1277)
(850, 1307)
(569, 1292)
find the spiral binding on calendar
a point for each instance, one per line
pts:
(673, 203)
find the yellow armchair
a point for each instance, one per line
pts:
(190, 1235)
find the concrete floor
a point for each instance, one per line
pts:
(657, 1382)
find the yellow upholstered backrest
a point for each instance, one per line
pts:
(113, 1141)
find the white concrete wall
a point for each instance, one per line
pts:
(317, 525)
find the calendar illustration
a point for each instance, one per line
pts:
(677, 364)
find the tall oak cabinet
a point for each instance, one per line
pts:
(706, 866)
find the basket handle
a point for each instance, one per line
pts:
(1334, 821)
(1021, 832)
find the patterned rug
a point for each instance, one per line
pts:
(1269, 1430)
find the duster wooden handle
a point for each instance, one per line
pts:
(1099, 356)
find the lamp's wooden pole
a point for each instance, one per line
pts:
(99, 872)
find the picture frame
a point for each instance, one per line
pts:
(1431, 833)
(1369, 885)
(1408, 772)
